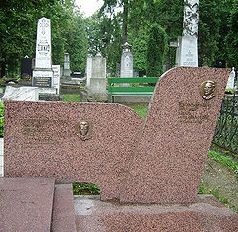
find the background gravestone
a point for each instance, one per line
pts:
(24, 93)
(67, 70)
(56, 78)
(126, 61)
(231, 80)
(89, 70)
(43, 74)
(26, 67)
(97, 77)
(187, 51)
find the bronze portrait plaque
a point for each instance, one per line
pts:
(207, 89)
(84, 130)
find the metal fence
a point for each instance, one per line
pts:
(226, 134)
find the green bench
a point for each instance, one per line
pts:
(140, 86)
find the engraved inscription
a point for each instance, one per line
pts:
(193, 112)
(45, 130)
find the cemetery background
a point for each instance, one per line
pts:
(76, 35)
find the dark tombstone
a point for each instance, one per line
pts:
(26, 64)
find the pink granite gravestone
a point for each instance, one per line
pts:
(160, 161)
(45, 139)
(172, 150)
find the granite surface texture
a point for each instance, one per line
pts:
(43, 139)
(157, 161)
(63, 219)
(26, 204)
(202, 215)
(172, 150)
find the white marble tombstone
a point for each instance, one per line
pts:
(56, 78)
(231, 80)
(89, 69)
(126, 61)
(67, 70)
(187, 53)
(43, 73)
(24, 93)
(97, 72)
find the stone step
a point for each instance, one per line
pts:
(63, 209)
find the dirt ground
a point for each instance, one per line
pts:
(222, 181)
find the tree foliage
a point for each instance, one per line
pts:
(232, 37)
(18, 25)
(157, 49)
(107, 30)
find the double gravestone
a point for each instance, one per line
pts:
(158, 161)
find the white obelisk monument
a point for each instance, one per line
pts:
(43, 73)
(187, 53)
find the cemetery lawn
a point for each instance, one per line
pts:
(140, 108)
(220, 179)
(71, 98)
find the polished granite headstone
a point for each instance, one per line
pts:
(172, 150)
(48, 139)
(148, 172)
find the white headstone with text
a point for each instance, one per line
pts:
(126, 61)
(43, 74)
(188, 51)
(187, 54)
(56, 77)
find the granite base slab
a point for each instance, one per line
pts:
(206, 214)
(26, 204)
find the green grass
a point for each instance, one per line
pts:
(216, 193)
(140, 108)
(229, 164)
(226, 161)
(85, 189)
(71, 98)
